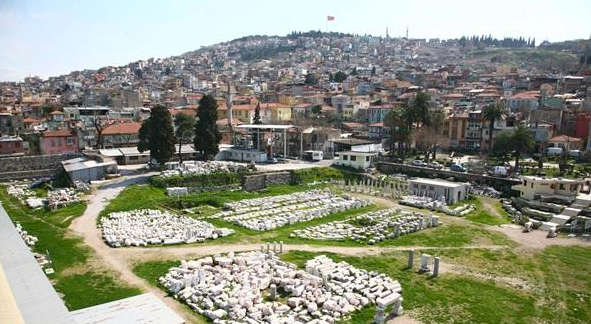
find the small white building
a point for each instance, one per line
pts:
(443, 190)
(357, 160)
(534, 188)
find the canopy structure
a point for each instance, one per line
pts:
(272, 128)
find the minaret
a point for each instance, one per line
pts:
(407, 32)
(387, 35)
(229, 99)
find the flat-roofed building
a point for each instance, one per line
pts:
(534, 188)
(443, 190)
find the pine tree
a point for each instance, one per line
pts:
(207, 135)
(157, 135)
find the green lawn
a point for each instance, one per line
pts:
(80, 284)
(483, 216)
(558, 277)
(559, 274)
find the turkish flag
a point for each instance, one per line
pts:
(330, 18)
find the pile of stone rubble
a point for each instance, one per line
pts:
(372, 227)
(200, 167)
(20, 191)
(61, 197)
(147, 226)
(30, 241)
(257, 287)
(268, 213)
(434, 204)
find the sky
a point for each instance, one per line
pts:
(49, 38)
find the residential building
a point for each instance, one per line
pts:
(121, 135)
(59, 142)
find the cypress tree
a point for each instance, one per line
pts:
(157, 135)
(207, 135)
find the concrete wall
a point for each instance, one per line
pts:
(32, 166)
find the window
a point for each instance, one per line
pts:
(353, 158)
(367, 159)
(524, 183)
(53, 142)
(561, 186)
(416, 186)
(423, 187)
(69, 141)
(346, 157)
(133, 158)
(431, 188)
(59, 141)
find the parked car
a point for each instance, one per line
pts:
(457, 168)
(435, 165)
(419, 163)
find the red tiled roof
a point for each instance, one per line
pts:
(58, 133)
(564, 139)
(123, 128)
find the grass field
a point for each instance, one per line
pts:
(452, 233)
(492, 214)
(556, 290)
(81, 283)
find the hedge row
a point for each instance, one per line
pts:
(197, 180)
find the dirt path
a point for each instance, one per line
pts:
(536, 239)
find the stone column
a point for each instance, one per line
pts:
(436, 267)
(268, 247)
(411, 255)
(273, 292)
(280, 246)
(380, 316)
(274, 247)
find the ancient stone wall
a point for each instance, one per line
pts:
(260, 181)
(31, 166)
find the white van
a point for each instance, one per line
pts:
(313, 155)
(554, 151)
(499, 170)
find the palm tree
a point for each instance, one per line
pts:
(492, 113)
(436, 118)
(521, 141)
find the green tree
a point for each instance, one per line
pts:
(419, 109)
(340, 76)
(521, 141)
(492, 113)
(311, 79)
(257, 115)
(157, 135)
(257, 121)
(184, 125)
(207, 136)
(317, 109)
(436, 118)
(518, 141)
